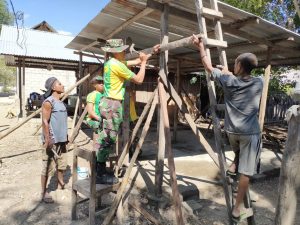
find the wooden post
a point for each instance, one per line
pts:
(264, 96)
(175, 192)
(125, 180)
(74, 192)
(163, 64)
(20, 89)
(126, 121)
(289, 181)
(23, 89)
(80, 75)
(177, 86)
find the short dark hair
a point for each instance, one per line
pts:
(248, 61)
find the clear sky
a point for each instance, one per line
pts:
(66, 16)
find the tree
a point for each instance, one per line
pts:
(5, 16)
(281, 12)
(7, 75)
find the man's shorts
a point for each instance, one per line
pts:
(248, 147)
(51, 162)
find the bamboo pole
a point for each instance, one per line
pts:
(125, 180)
(64, 96)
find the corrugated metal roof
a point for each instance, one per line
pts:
(37, 44)
(145, 32)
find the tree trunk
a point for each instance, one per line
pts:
(290, 174)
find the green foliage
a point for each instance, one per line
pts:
(5, 16)
(254, 6)
(7, 75)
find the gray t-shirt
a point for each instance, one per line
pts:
(58, 121)
(242, 98)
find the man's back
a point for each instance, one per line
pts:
(242, 99)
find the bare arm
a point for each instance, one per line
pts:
(46, 113)
(205, 61)
(138, 61)
(91, 112)
(139, 77)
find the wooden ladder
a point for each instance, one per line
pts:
(213, 13)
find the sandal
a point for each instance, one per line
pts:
(235, 219)
(230, 173)
(46, 198)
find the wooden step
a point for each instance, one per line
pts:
(211, 13)
(215, 43)
(83, 187)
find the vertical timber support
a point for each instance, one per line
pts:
(163, 61)
(80, 75)
(20, 89)
(263, 100)
(177, 87)
(23, 88)
(171, 164)
(212, 98)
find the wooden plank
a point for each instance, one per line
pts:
(77, 127)
(64, 96)
(74, 192)
(145, 213)
(163, 62)
(264, 96)
(125, 180)
(84, 153)
(126, 121)
(210, 13)
(171, 163)
(80, 74)
(249, 21)
(177, 86)
(83, 187)
(136, 128)
(75, 115)
(92, 190)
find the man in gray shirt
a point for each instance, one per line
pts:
(242, 94)
(55, 136)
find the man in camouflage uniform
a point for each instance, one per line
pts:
(115, 74)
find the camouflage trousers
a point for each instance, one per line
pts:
(112, 116)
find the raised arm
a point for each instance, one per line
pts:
(138, 61)
(205, 61)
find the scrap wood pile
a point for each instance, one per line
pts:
(275, 135)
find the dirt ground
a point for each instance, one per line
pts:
(203, 200)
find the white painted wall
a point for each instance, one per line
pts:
(35, 79)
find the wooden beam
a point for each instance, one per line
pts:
(246, 22)
(20, 90)
(117, 199)
(78, 125)
(264, 96)
(137, 127)
(177, 87)
(23, 88)
(145, 213)
(171, 163)
(163, 65)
